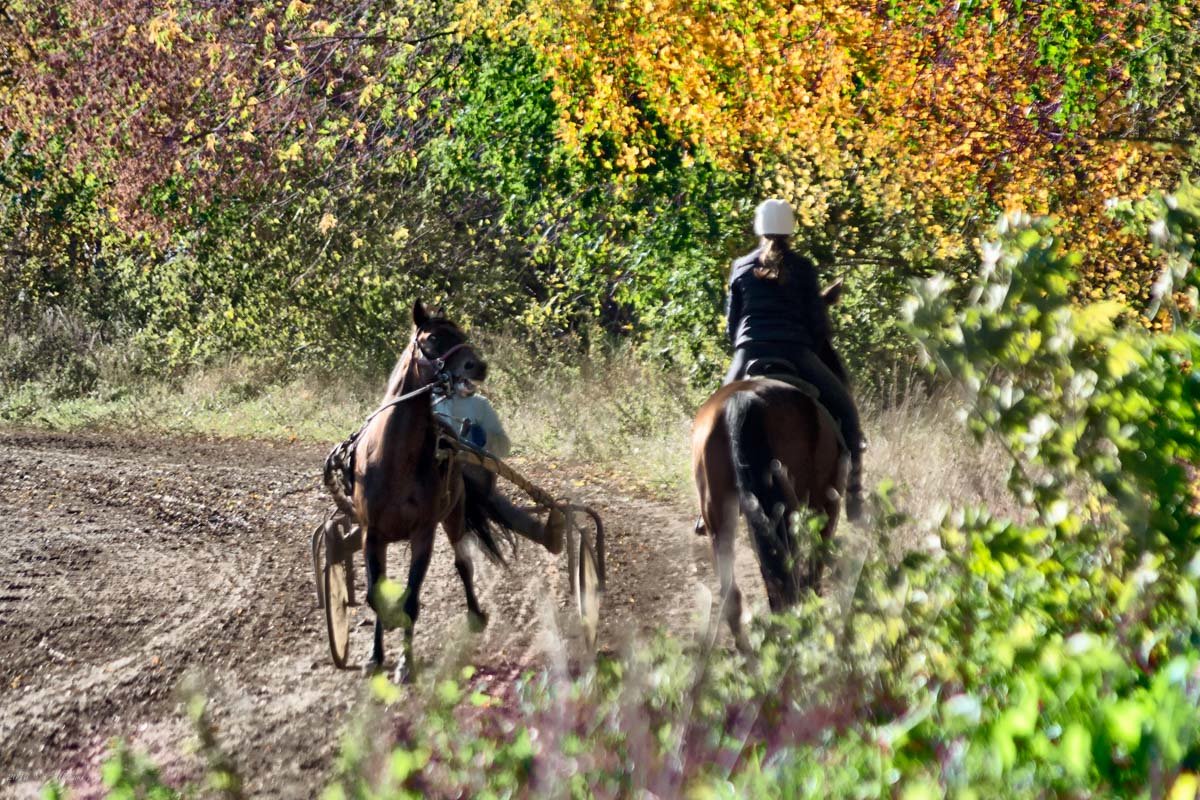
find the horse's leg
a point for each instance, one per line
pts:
(721, 519)
(375, 554)
(422, 551)
(792, 493)
(822, 562)
(455, 526)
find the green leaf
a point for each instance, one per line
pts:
(1122, 358)
(1123, 721)
(1075, 750)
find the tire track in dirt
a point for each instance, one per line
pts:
(128, 562)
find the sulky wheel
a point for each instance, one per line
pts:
(337, 611)
(318, 561)
(338, 589)
(586, 581)
(596, 544)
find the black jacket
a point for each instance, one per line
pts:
(787, 311)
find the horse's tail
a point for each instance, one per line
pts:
(339, 479)
(764, 502)
(484, 521)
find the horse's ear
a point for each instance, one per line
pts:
(420, 314)
(832, 293)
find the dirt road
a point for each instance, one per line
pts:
(127, 563)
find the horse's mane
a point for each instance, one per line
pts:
(400, 371)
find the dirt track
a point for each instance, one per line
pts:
(128, 563)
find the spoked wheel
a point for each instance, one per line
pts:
(337, 612)
(585, 561)
(318, 561)
(333, 560)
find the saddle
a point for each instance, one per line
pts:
(781, 369)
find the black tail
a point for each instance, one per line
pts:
(763, 501)
(484, 521)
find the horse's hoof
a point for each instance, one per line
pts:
(700, 529)
(854, 506)
(477, 621)
(372, 668)
(404, 674)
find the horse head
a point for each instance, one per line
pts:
(441, 343)
(832, 293)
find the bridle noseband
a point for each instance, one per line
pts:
(438, 363)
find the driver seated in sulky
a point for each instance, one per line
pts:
(475, 421)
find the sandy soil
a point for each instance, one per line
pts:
(128, 563)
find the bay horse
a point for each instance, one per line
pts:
(401, 489)
(765, 448)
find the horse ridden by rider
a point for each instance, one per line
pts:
(782, 434)
(776, 313)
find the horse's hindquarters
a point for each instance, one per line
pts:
(766, 448)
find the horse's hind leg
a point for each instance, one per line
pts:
(822, 561)
(722, 522)
(455, 529)
(376, 557)
(422, 551)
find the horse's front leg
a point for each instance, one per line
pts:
(376, 558)
(422, 552)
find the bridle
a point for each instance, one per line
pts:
(442, 379)
(438, 363)
(342, 457)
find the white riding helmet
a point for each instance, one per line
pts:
(774, 218)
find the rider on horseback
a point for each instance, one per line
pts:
(776, 313)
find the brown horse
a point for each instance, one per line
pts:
(764, 448)
(402, 489)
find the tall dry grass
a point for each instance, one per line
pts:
(917, 441)
(609, 409)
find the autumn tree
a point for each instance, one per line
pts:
(897, 129)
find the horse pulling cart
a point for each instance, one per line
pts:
(338, 538)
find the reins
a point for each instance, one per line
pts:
(426, 389)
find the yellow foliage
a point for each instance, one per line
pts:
(933, 118)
